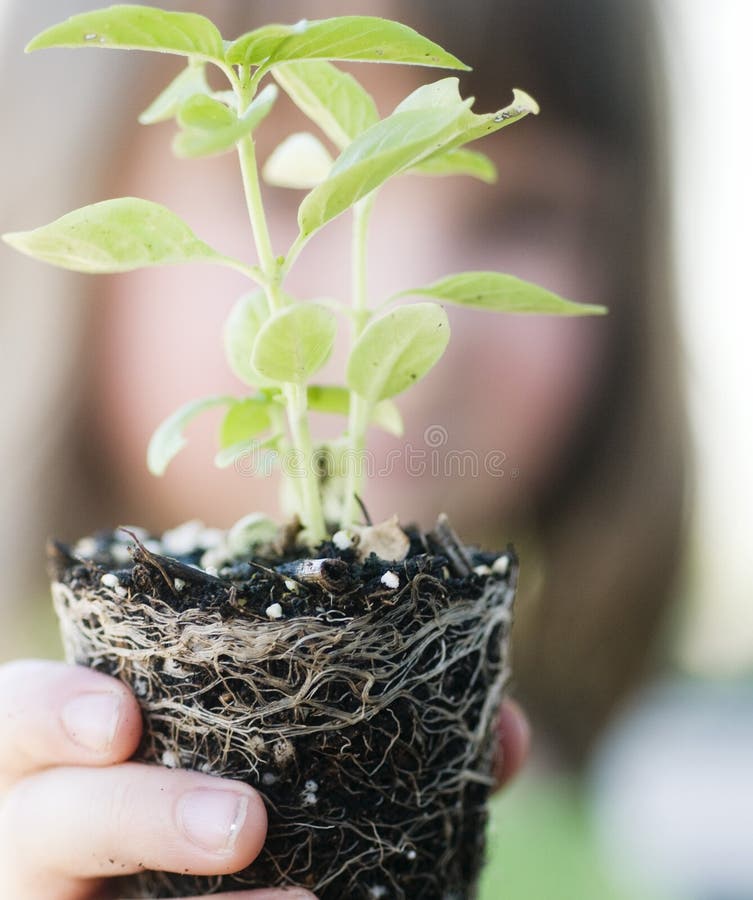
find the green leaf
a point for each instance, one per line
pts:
(208, 130)
(354, 38)
(301, 162)
(191, 81)
(168, 439)
(245, 419)
(336, 400)
(331, 98)
(242, 325)
(445, 94)
(294, 343)
(114, 236)
(396, 350)
(134, 27)
(502, 293)
(205, 114)
(458, 162)
(391, 146)
(433, 119)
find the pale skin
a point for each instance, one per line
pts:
(76, 812)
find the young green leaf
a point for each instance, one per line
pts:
(242, 326)
(191, 81)
(353, 38)
(445, 94)
(301, 162)
(204, 114)
(114, 236)
(134, 27)
(501, 293)
(391, 146)
(432, 120)
(331, 98)
(336, 400)
(211, 128)
(168, 440)
(458, 162)
(245, 419)
(396, 350)
(294, 343)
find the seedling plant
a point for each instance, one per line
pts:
(276, 343)
(371, 672)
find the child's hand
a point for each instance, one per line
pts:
(75, 812)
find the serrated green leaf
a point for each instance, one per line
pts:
(458, 162)
(242, 325)
(206, 140)
(300, 162)
(336, 400)
(135, 27)
(294, 343)
(502, 293)
(244, 420)
(331, 98)
(168, 439)
(397, 350)
(391, 146)
(353, 38)
(191, 81)
(114, 236)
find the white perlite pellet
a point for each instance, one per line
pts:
(110, 581)
(274, 611)
(391, 580)
(170, 759)
(343, 539)
(179, 584)
(86, 547)
(482, 570)
(501, 565)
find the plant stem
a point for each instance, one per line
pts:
(312, 515)
(359, 409)
(297, 407)
(267, 261)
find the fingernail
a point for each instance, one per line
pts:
(91, 720)
(212, 819)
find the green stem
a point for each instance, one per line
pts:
(360, 409)
(308, 486)
(312, 515)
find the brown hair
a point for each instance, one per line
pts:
(611, 524)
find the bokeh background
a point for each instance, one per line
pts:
(663, 807)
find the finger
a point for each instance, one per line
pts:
(514, 742)
(80, 823)
(55, 714)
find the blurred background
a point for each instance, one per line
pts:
(627, 484)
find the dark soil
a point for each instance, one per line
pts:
(365, 720)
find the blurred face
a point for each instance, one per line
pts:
(485, 429)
